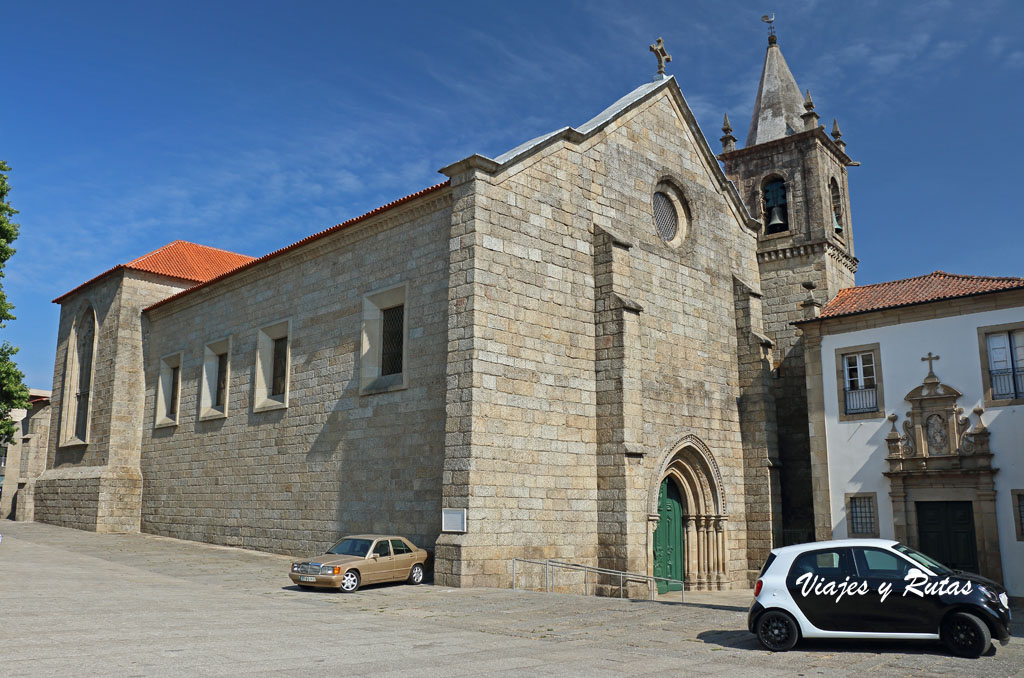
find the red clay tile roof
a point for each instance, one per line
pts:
(304, 241)
(932, 287)
(179, 259)
(188, 261)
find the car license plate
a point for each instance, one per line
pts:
(303, 578)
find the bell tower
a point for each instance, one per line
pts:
(792, 176)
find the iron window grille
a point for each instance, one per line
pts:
(1020, 508)
(665, 218)
(222, 381)
(862, 515)
(392, 339)
(280, 366)
(172, 404)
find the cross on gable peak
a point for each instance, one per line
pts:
(930, 359)
(663, 56)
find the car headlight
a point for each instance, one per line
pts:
(1004, 600)
(989, 593)
(330, 569)
(295, 567)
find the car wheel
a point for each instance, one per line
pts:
(777, 631)
(965, 635)
(350, 582)
(416, 574)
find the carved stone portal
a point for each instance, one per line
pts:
(936, 435)
(939, 457)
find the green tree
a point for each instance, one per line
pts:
(13, 393)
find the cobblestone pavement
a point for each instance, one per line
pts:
(83, 604)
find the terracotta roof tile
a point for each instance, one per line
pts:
(179, 259)
(932, 287)
(308, 239)
(188, 261)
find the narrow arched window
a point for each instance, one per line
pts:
(837, 206)
(776, 211)
(85, 335)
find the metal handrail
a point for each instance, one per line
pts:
(624, 577)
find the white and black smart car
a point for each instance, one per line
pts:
(874, 589)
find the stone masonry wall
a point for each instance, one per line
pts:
(334, 462)
(810, 251)
(97, 485)
(25, 461)
(530, 407)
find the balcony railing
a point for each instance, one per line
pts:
(1007, 383)
(861, 400)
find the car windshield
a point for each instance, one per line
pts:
(927, 561)
(351, 547)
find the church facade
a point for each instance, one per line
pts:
(582, 348)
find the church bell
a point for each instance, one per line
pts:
(775, 218)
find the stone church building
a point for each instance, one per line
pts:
(581, 349)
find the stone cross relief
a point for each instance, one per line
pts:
(663, 56)
(930, 359)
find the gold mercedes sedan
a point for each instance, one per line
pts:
(362, 559)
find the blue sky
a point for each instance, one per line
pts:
(249, 125)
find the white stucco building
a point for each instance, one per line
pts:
(916, 395)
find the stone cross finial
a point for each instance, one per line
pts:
(663, 57)
(930, 359)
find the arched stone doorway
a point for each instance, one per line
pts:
(692, 536)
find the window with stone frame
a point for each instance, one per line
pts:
(671, 213)
(213, 396)
(78, 379)
(776, 206)
(859, 382)
(273, 366)
(1006, 364)
(1017, 498)
(383, 360)
(168, 391)
(862, 514)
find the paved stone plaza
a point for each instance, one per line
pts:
(85, 604)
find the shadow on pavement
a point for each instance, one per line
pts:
(364, 587)
(706, 606)
(744, 640)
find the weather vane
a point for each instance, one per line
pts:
(770, 20)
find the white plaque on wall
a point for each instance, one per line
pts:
(453, 520)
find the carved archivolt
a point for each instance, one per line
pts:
(690, 462)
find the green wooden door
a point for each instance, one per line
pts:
(668, 537)
(945, 532)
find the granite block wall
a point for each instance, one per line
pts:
(333, 462)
